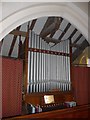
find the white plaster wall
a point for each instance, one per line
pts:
(15, 14)
(83, 6)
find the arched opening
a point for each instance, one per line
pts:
(41, 11)
(69, 11)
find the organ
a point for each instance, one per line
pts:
(48, 69)
(48, 66)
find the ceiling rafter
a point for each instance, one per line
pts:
(17, 33)
(32, 24)
(80, 49)
(13, 42)
(73, 33)
(50, 27)
(78, 38)
(54, 31)
(64, 32)
(48, 22)
(47, 39)
(20, 47)
(24, 34)
(75, 45)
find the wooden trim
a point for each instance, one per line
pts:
(75, 112)
(48, 52)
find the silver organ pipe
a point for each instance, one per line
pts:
(48, 70)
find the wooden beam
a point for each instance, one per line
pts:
(75, 45)
(73, 33)
(70, 43)
(32, 24)
(1, 42)
(78, 38)
(53, 40)
(65, 30)
(54, 31)
(13, 42)
(49, 21)
(47, 39)
(80, 49)
(48, 30)
(22, 33)
(20, 47)
(18, 33)
(26, 59)
(52, 27)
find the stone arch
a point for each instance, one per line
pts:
(66, 10)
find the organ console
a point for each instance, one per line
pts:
(49, 101)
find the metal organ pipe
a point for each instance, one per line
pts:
(39, 66)
(48, 70)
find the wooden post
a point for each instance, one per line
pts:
(20, 48)
(26, 61)
(71, 77)
(1, 42)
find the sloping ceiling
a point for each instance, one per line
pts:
(52, 29)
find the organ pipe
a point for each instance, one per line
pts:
(48, 67)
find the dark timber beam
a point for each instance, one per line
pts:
(13, 42)
(75, 45)
(18, 33)
(80, 49)
(53, 40)
(73, 33)
(78, 38)
(20, 47)
(24, 34)
(70, 49)
(32, 24)
(51, 28)
(54, 31)
(49, 21)
(65, 30)
(1, 42)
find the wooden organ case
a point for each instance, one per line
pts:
(12, 71)
(37, 86)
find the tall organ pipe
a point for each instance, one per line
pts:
(48, 71)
